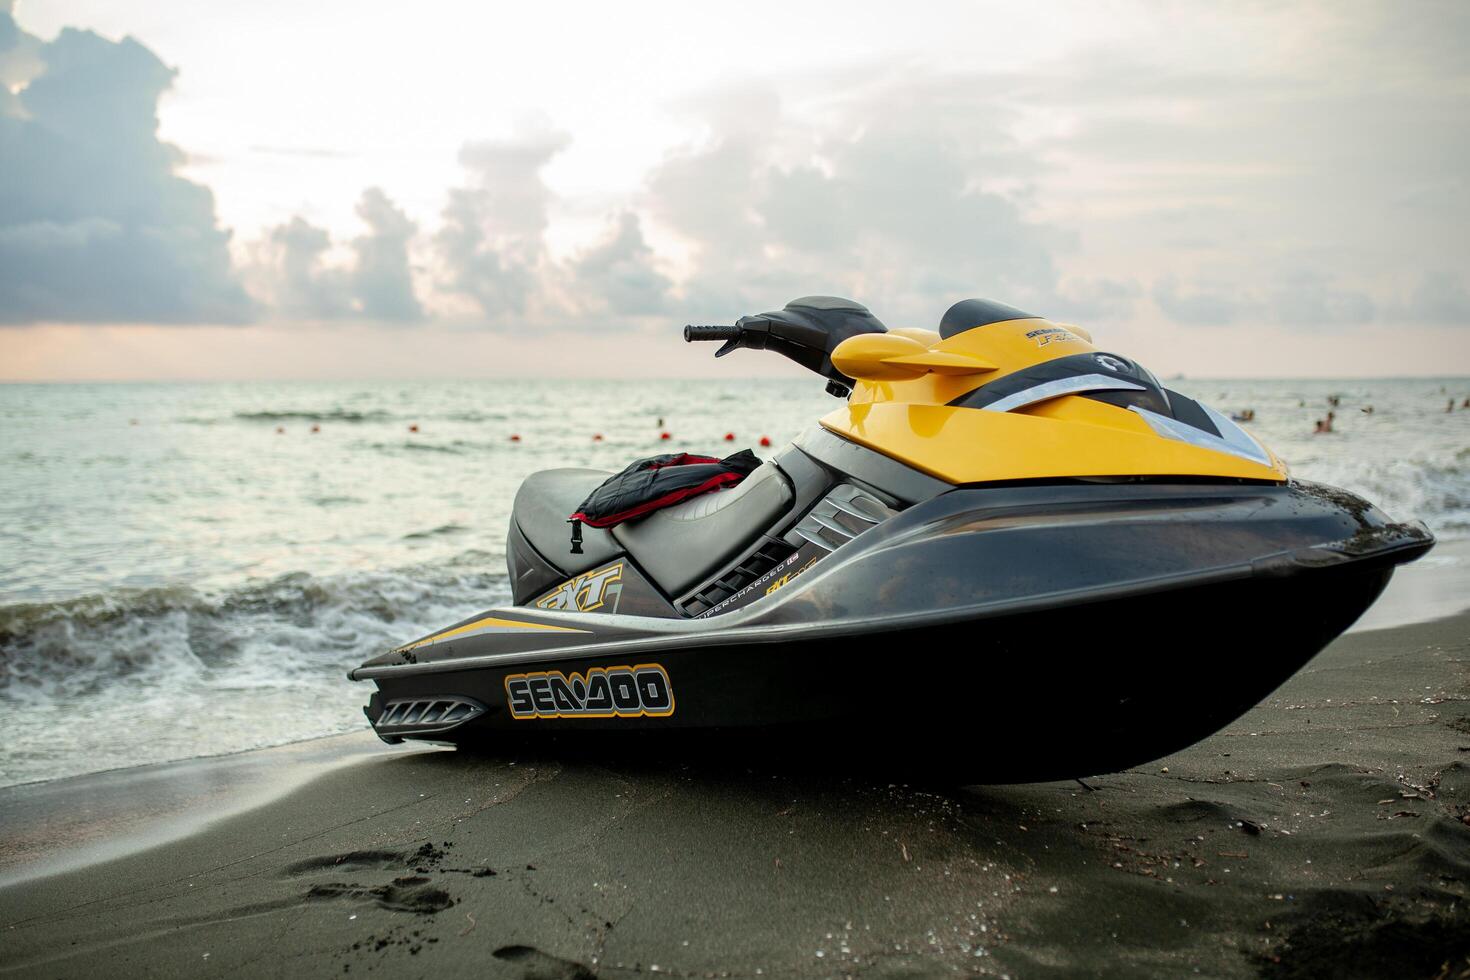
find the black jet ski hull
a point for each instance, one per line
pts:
(993, 635)
(1046, 695)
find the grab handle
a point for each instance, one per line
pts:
(693, 332)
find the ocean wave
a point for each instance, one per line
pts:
(1409, 487)
(439, 531)
(335, 500)
(454, 447)
(414, 446)
(330, 415)
(347, 415)
(473, 416)
(276, 633)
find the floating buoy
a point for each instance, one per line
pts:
(132, 421)
(414, 427)
(280, 430)
(729, 437)
(316, 428)
(515, 437)
(597, 437)
(765, 441)
(665, 436)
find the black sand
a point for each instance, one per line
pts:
(1325, 834)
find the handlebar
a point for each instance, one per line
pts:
(805, 330)
(693, 332)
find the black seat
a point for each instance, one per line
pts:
(541, 508)
(677, 546)
(680, 545)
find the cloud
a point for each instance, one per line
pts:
(619, 276)
(492, 248)
(1210, 304)
(95, 226)
(1312, 299)
(1091, 299)
(491, 245)
(1298, 182)
(1304, 182)
(890, 207)
(20, 61)
(1301, 299)
(309, 152)
(1440, 298)
(382, 282)
(293, 276)
(886, 206)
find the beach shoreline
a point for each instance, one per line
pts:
(1329, 822)
(1436, 586)
(65, 824)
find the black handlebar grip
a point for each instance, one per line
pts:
(693, 332)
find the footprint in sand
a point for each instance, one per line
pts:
(536, 965)
(411, 893)
(348, 861)
(414, 893)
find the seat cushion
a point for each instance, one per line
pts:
(680, 545)
(541, 508)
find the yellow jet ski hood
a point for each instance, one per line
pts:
(998, 395)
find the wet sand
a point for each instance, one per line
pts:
(1327, 833)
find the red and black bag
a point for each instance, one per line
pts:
(651, 484)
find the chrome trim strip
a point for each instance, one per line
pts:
(816, 539)
(1232, 439)
(848, 507)
(1061, 386)
(832, 525)
(1248, 445)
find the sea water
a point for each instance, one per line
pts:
(189, 570)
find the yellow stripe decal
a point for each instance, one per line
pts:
(490, 623)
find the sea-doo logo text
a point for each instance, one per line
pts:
(586, 592)
(642, 691)
(1046, 335)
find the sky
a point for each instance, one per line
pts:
(200, 190)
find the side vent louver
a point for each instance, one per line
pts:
(841, 516)
(761, 561)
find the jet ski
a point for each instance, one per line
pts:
(1006, 548)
